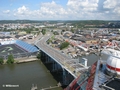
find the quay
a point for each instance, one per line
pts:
(26, 59)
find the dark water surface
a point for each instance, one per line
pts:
(24, 75)
(92, 58)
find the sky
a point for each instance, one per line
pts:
(60, 9)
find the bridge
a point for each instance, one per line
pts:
(69, 68)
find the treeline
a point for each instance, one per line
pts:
(96, 24)
(10, 60)
(19, 21)
(75, 23)
(29, 21)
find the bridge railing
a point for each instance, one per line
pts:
(63, 60)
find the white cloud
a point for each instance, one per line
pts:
(110, 4)
(106, 11)
(113, 7)
(49, 10)
(22, 11)
(117, 10)
(52, 10)
(86, 5)
(75, 9)
(6, 11)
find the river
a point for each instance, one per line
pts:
(91, 58)
(25, 74)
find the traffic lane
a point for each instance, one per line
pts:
(52, 52)
(55, 51)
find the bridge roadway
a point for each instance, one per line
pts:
(71, 65)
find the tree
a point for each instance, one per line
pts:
(28, 30)
(72, 30)
(55, 33)
(36, 29)
(43, 31)
(39, 56)
(64, 45)
(10, 59)
(1, 60)
(49, 41)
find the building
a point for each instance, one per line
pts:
(85, 40)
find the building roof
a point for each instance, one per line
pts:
(79, 38)
(3, 37)
(17, 36)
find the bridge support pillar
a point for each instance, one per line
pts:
(54, 66)
(67, 77)
(60, 73)
(64, 77)
(43, 56)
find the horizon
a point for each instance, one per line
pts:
(53, 20)
(60, 10)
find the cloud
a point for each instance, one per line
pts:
(6, 11)
(22, 11)
(49, 10)
(113, 7)
(75, 9)
(117, 10)
(110, 4)
(86, 5)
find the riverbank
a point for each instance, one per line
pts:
(23, 60)
(28, 59)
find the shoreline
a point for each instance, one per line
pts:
(22, 60)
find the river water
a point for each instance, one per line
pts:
(25, 74)
(92, 58)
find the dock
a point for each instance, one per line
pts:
(52, 87)
(26, 59)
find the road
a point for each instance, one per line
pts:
(71, 65)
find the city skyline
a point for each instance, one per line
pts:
(60, 9)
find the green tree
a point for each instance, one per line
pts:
(72, 30)
(55, 33)
(28, 30)
(64, 45)
(49, 41)
(43, 31)
(39, 56)
(36, 29)
(1, 60)
(10, 59)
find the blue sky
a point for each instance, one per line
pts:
(60, 9)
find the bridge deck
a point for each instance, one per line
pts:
(71, 65)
